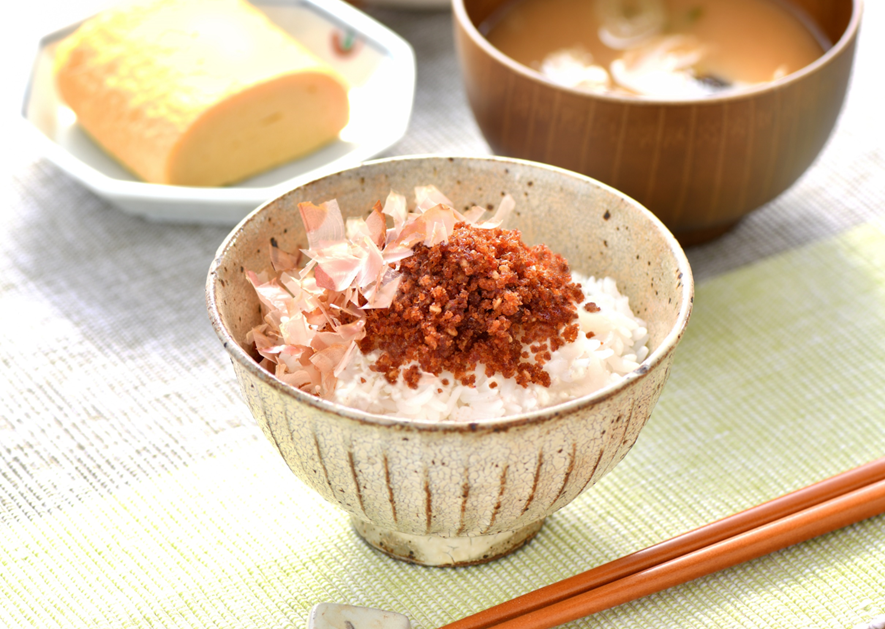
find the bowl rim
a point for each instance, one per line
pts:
(463, 21)
(658, 355)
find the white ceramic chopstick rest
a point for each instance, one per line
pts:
(338, 616)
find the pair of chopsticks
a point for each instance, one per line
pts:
(820, 508)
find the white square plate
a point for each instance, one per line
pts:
(378, 64)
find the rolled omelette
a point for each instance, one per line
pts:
(198, 92)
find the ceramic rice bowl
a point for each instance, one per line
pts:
(461, 493)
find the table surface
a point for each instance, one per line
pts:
(137, 490)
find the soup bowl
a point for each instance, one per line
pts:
(446, 493)
(700, 165)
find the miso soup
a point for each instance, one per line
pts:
(657, 48)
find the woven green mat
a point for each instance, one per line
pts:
(778, 383)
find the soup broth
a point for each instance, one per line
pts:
(656, 48)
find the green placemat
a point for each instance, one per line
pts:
(778, 383)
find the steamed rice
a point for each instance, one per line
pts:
(319, 318)
(616, 347)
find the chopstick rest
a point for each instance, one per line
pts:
(340, 616)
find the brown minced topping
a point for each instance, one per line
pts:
(482, 297)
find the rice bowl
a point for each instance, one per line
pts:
(463, 492)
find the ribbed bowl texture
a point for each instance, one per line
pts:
(450, 480)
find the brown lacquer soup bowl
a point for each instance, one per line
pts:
(700, 165)
(445, 493)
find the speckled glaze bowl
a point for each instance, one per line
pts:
(447, 493)
(699, 165)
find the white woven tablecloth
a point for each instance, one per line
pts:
(137, 491)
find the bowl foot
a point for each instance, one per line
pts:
(433, 550)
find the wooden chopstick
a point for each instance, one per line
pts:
(822, 518)
(822, 507)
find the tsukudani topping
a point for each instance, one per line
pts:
(477, 298)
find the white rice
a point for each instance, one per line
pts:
(617, 347)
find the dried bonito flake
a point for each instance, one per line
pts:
(315, 315)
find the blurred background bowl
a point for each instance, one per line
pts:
(456, 493)
(699, 165)
(380, 67)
